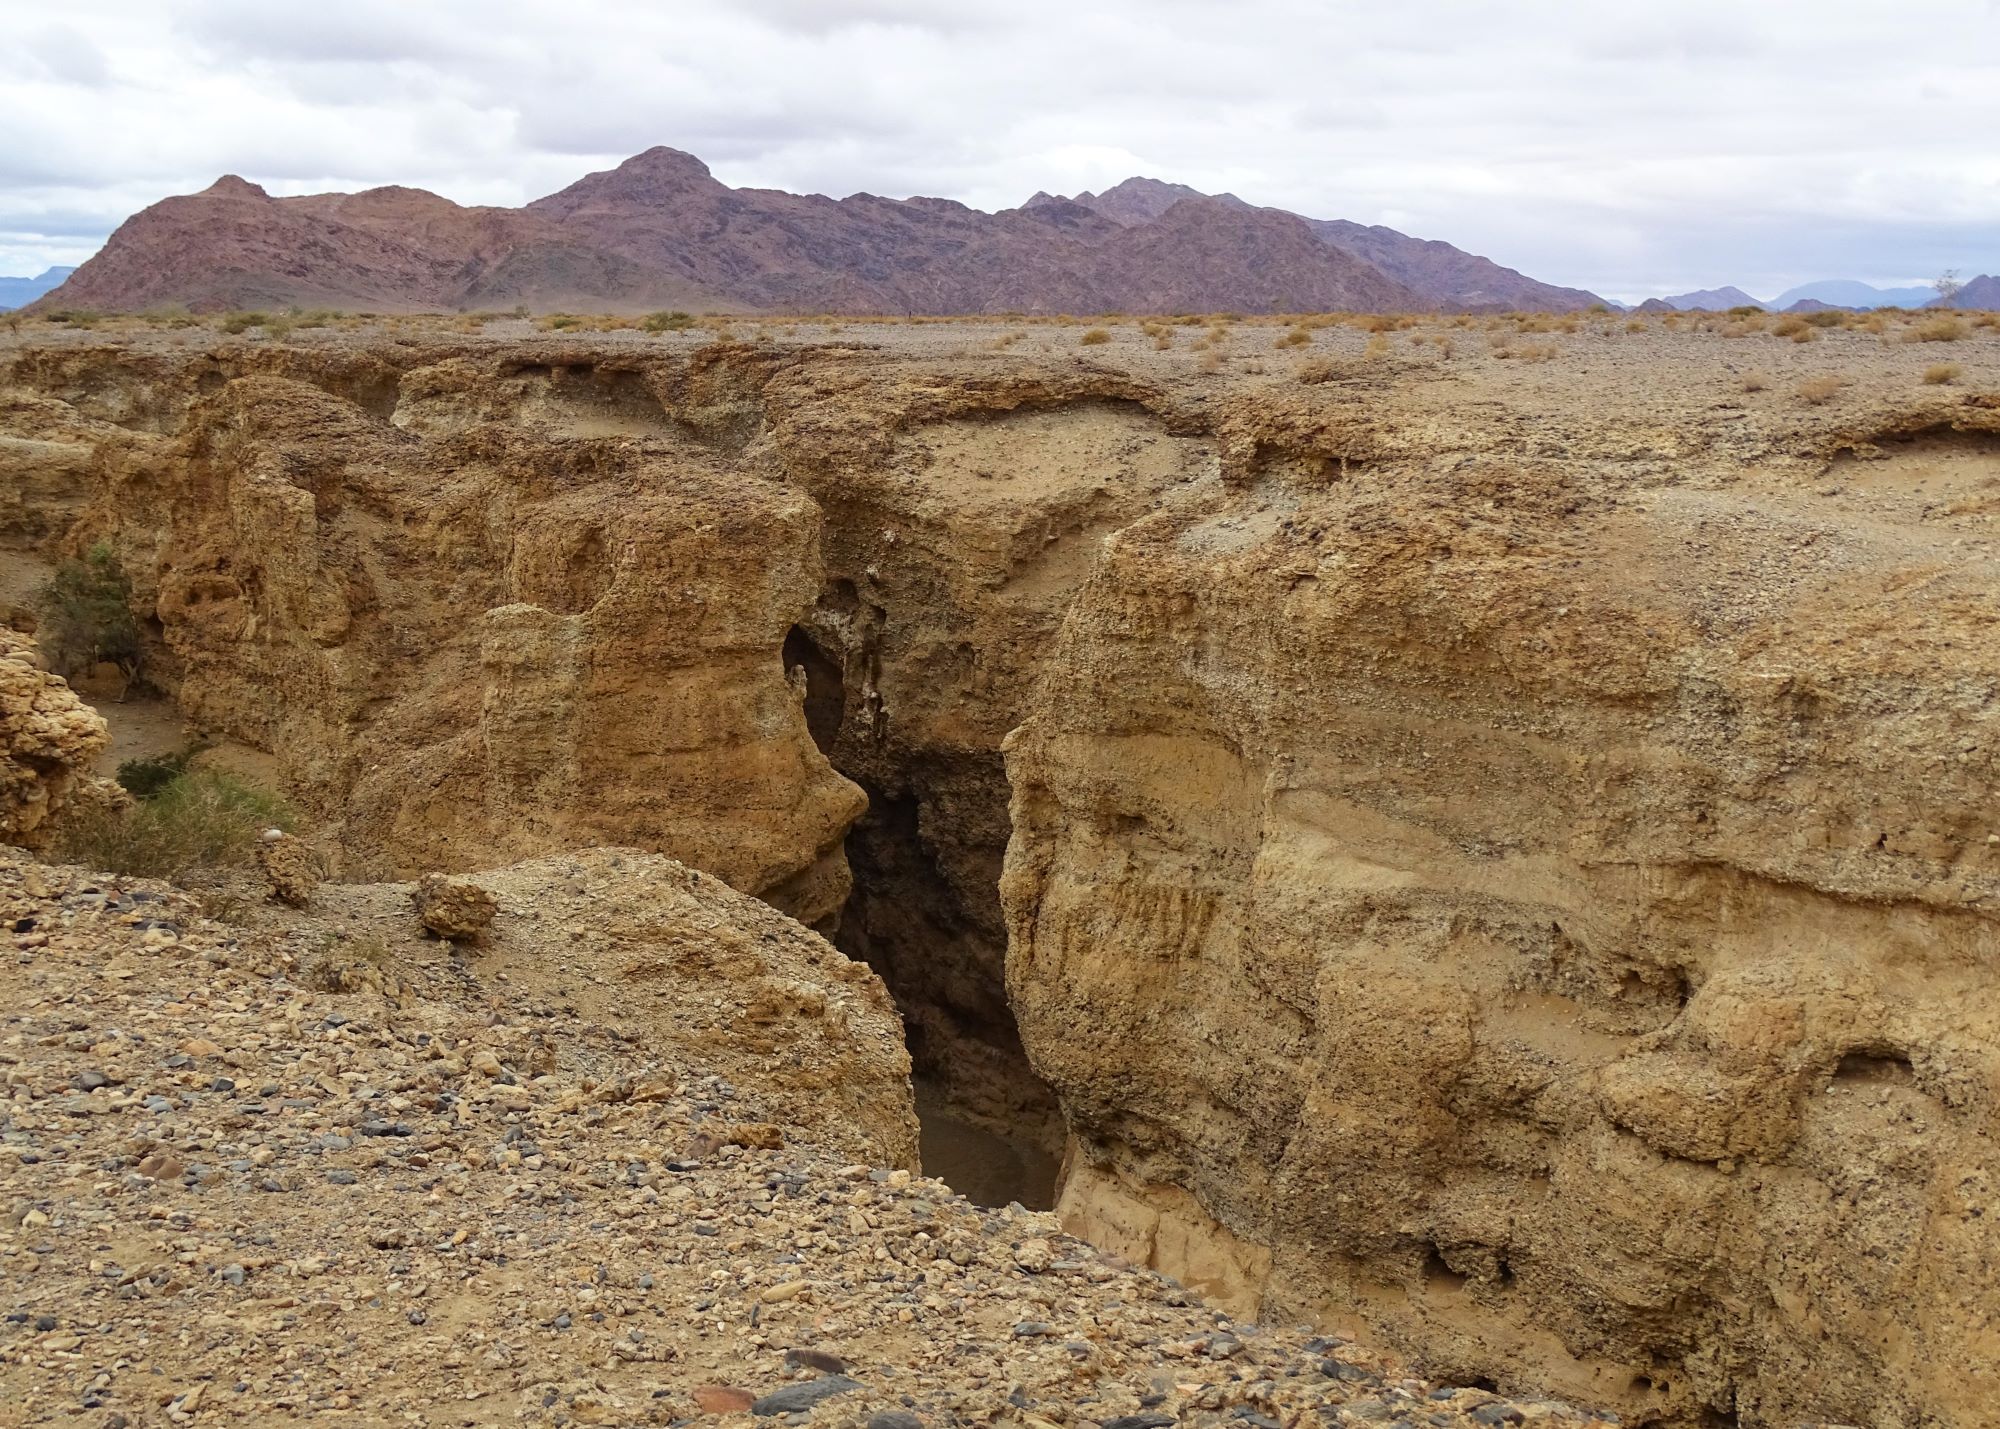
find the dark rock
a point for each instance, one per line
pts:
(795, 1397)
(1152, 1419)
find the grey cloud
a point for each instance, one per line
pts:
(1620, 148)
(60, 53)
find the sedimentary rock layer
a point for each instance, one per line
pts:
(1548, 921)
(1497, 854)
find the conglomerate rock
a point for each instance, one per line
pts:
(49, 739)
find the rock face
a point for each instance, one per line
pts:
(1498, 853)
(660, 231)
(1548, 921)
(48, 741)
(470, 640)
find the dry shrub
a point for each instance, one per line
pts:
(1529, 352)
(1635, 325)
(1790, 325)
(1987, 320)
(200, 819)
(1943, 328)
(1942, 374)
(1163, 339)
(1806, 334)
(1315, 370)
(1755, 382)
(1211, 361)
(1378, 346)
(1297, 337)
(1818, 391)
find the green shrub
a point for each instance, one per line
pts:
(86, 611)
(667, 322)
(243, 322)
(199, 819)
(145, 778)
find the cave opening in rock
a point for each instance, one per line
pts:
(925, 914)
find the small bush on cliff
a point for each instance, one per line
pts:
(667, 322)
(1095, 336)
(243, 322)
(198, 819)
(86, 611)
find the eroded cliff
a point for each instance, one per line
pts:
(1496, 855)
(1545, 919)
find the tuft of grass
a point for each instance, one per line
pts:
(1094, 336)
(243, 322)
(1818, 391)
(199, 819)
(1943, 328)
(1942, 374)
(1755, 382)
(666, 322)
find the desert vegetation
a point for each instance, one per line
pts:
(86, 616)
(182, 819)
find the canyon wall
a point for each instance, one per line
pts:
(1502, 868)
(1543, 918)
(478, 612)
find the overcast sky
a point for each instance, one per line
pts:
(1631, 148)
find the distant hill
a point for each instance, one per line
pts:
(1847, 293)
(1982, 293)
(659, 231)
(19, 292)
(1445, 276)
(1712, 300)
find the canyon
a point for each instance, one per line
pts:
(1482, 856)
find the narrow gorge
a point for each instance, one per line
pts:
(1487, 858)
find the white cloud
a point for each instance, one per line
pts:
(1629, 149)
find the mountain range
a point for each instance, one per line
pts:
(660, 231)
(19, 292)
(1825, 293)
